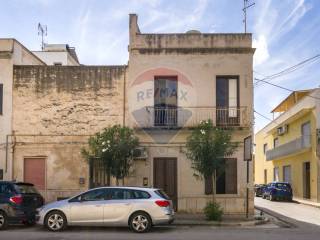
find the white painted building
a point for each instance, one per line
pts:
(58, 54)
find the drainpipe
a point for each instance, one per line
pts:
(12, 156)
(124, 97)
(7, 147)
(7, 153)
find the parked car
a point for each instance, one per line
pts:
(278, 191)
(18, 203)
(258, 189)
(138, 208)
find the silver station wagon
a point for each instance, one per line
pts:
(138, 208)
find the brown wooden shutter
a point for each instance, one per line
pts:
(34, 172)
(231, 176)
(208, 185)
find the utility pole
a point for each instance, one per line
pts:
(245, 7)
(42, 30)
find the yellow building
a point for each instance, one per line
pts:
(286, 148)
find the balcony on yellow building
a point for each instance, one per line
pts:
(295, 146)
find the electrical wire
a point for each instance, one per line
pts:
(288, 70)
(284, 88)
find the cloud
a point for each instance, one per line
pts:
(262, 52)
(273, 23)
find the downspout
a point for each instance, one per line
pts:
(124, 97)
(12, 156)
(124, 109)
(7, 153)
(7, 147)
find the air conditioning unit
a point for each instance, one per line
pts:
(283, 129)
(140, 153)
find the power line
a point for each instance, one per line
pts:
(259, 73)
(289, 69)
(263, 116)
(284, 88)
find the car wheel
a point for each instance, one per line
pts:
(56, 221)
(140, 222)
(3, 220)
(263, 196)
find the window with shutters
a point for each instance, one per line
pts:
(226, 182)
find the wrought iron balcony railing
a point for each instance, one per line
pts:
(180, 117)
(292, 147)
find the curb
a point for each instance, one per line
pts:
(221, 224)
(306, 203)
(277, 216)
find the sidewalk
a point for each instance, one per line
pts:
(197, 219)
(307, 202)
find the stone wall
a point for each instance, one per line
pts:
(67, 100)
(55, 110)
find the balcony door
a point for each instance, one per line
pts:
(165, 101)
(227, 101)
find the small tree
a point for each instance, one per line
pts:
(114, 147)
(207, 146)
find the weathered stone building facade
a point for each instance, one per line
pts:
(171, 83)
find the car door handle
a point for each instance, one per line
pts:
(127, 204)
(98, 205)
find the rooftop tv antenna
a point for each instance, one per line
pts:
(42, 30)
(246, 5)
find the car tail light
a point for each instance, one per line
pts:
(162, 203)
(16, 199)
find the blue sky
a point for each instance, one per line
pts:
(285, 32)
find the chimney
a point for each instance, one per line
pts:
(133, 26)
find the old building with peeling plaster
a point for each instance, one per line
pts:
(171, 83)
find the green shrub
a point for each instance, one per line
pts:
(213, 211)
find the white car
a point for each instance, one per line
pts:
(138, 208)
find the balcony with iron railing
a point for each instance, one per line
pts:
(188, 117)
(295, 146)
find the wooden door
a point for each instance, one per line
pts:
(165, 177)
(306, 180)
(34, 172)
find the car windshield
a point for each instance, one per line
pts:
(25, 188)
(283, 186)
